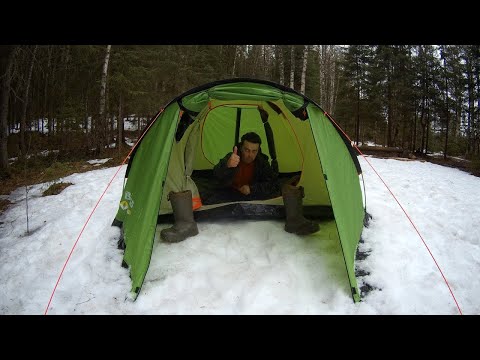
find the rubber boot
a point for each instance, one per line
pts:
(295, 221)
(185, 226)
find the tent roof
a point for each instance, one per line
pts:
(239, 80)
(290, 91)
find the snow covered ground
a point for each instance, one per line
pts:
(249, 267)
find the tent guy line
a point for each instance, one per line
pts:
(93, 210)
(401, 207)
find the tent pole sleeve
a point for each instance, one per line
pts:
(237, 127)
(270, 141)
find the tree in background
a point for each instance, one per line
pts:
(395, 95)
(7, 58)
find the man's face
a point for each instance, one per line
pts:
(249, 151)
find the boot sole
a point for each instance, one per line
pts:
(299, 231)
(174, 237)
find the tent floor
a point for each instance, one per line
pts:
(328, 231)
(208, 185)
(252, 211)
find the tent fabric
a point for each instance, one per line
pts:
(343, 187)
(180, 168)
(143, 191)
(176, 146)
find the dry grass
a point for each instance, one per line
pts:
(51, 168)
(56, 188)
(472, 167)
(4, 205)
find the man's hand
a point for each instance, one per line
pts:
(245, 189)
(234, 159)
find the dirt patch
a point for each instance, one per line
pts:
(4, 203)
(382, 151)
(471, 167)
(56, 188)
(53, 167)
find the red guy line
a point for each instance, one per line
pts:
(95, 208)
(418, 232)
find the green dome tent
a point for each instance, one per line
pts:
(183, 142)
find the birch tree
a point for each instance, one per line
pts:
(304, 69)
(234, 60)
(281, 68)
(103, 88)
(120, 125)
(292, 65)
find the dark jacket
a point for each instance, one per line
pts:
(265, 179)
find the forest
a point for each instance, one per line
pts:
(64, 103)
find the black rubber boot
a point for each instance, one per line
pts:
(185, 226)
(295, 221)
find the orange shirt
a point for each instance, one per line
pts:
(244, 174)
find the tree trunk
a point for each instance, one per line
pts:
(120, 126)
(253, 59)
(424, 130)
(328, 76)
(45, 91)
(427, 130)
(336, 81)
(139, 126)
(264, 57)
(423, 120)
(477, 77)
(413, 143)
(6, 62)
(357, 122)
(234, 60)
(292, 65)
(446, 111)
(390, 128)
(103, 85)
(281, 66)
(304, 69)
(23, 119)
(332, 79)
(458, 111)
(470, 107)
(102, 121)
(321, 79)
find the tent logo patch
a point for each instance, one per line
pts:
(127, 204)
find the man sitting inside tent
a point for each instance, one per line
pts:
(246, 175)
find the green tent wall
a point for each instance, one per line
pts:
(212, 117)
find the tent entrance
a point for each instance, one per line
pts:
(252, 210)
(267, 209)
(209, 186)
